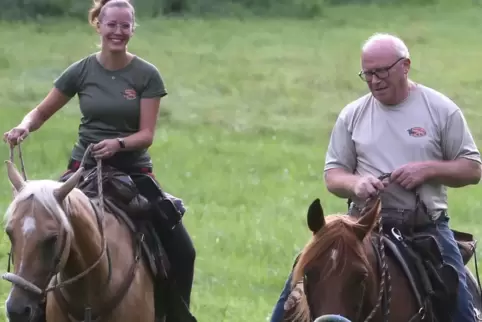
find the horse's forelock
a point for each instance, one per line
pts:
(337, 235)
(41, 192)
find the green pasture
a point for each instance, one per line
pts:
(243, 132)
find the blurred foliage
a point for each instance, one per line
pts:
(28, 9)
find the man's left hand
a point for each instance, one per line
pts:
(411, 175)
(105, 149)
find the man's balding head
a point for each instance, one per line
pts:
(381, 43)
(385, 62)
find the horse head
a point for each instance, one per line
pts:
(40, 233)
(338, 265)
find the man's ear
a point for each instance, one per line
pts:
(406, 65)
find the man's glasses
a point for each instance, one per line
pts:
(381, 73)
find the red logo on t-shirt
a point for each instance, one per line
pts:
(417, 132)
(130, 94)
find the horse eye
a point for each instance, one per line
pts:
(48, 248)
(50, 241)
(359, 279)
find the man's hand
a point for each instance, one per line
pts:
(368, 186)
(411, 175)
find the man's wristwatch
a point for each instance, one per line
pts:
(121, 143)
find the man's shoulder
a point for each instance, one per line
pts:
(436, 100)
(350, 111)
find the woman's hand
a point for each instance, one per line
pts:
(16, 135)
(105, 149)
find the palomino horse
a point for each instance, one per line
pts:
(343, 274)
(72, 253)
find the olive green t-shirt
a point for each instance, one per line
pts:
(110, 103)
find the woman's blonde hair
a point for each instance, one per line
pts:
(99, 6)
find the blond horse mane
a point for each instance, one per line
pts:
(338, 234)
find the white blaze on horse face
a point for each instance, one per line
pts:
(334, 257)
(28, 227)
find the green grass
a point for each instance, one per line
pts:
(245, 126)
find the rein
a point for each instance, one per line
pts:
(385, 277)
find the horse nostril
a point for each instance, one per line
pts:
(27, 311)
(18, 311)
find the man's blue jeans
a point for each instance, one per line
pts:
(464, 311)
(279, 310)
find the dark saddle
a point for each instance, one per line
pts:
(123, 199)
(433, 281)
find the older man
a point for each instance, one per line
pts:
(412, 131)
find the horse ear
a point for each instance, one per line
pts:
(315, 217)
(14, 176)
(368, 220)
(62, 192)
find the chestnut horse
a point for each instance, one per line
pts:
(66, 250)
(339, 276)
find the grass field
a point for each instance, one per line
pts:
(245, 126)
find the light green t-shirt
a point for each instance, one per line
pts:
(370, 139)
(110, 103)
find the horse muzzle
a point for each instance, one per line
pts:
(331, 318)
(20, 310)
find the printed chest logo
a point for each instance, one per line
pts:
(130, 94)
(417, 132)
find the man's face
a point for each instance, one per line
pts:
(385, 73)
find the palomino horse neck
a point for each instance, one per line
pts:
(342, 271)
(49, 220)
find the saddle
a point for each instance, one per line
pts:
(434, 282)
(123, 199)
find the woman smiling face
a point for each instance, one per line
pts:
(116, 26)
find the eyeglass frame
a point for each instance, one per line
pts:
(123, 25)
(379, 70)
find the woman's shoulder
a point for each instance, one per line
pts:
(145, 65)
(81, 63)
(147, 75)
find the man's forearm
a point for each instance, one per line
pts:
(340, 182)
(455, 174)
